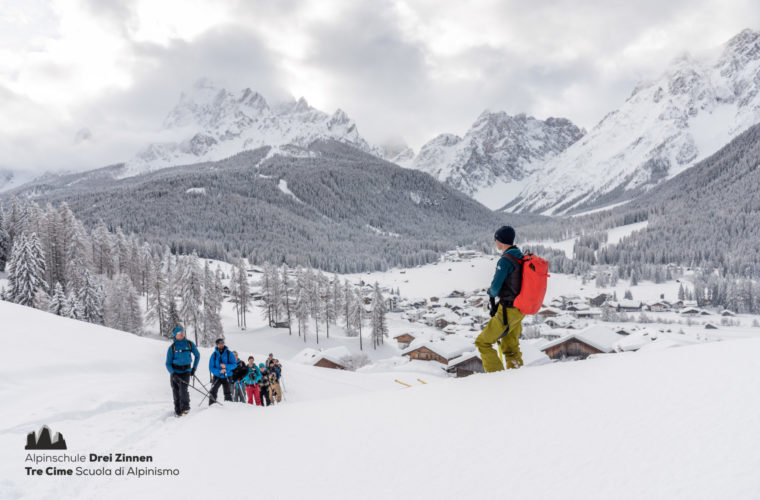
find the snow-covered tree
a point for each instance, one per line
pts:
(26, 270)
(5, 241)
(92, 298)
(212, 306)
(379, 323)
(192, 296)
(158, 298)
(302, 311)
(41, 300)
(122, 307)
(58, 303)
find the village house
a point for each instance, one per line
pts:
(404, 339)
(690, 311)
(596, 339)
(466, 364)
(548, 312)
(628, 305)
(442, 352)
(659, 306)
(328, 358)
(598, 300)
(727, 313)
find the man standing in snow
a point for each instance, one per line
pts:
(505, 325)
(220, 365)
(178, 362)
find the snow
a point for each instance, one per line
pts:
(672, 423)
(283, 186)
(499, 193)
(196, 190)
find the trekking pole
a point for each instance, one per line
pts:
(205, 395)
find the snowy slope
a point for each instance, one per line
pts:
(211, 123)
(663, 128)
(642, 425)
(495, 154)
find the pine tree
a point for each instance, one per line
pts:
(74, 309)
(58, 303)
(91, 298)
(302, 311)
(122, 307)
(212, 305)
(26, 270)
(158, 299)
(379, 310)
(5, 241)
(41, 300)
(192, 296)
(173, 318)
(242, 292)
(287, 303)
(357, 315)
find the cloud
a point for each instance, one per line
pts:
(409, 68)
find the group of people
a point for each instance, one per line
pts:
(240, 381)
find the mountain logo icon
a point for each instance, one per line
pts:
(43, 440)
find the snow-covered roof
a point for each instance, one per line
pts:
(598, 336)
(629, 303)
(447, 349)
(411, 334)
(311, 356)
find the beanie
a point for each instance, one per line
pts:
(505, 234)
(176, 331)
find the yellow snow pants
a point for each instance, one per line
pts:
(507, 337)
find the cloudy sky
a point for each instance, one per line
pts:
(85, 83)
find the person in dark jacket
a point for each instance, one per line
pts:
(221, 365)
(239, 388)
(505, 325)
(275, 392)
(264, 385)
(182, 360)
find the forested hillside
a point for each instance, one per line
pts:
(331, 206)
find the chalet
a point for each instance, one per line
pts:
(628, 305)
(455, 294)
(404, 339)
(727, 313)
(598, 300)
(690, 311)
(562, 321)
(557, 303)
(660, 306)
(328, 358)
(710, 326)
(588, 313)
(442, 352)
(548, 312)
(466, 365)
(474, 300)
(593, 340)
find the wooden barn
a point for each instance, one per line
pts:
(597, 339)
(404, 339)
(466, 365)
(443, 351)
(327, 363)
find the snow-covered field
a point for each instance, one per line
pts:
(677, 423)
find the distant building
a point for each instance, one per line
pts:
(597, 339)
(466, 364)
(442, 352)
(404, 339)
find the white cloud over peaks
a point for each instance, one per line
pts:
(409, 68)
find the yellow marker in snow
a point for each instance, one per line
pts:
(421, 381)
(402, 383)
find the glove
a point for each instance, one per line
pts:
(192, 372)
(493, 306)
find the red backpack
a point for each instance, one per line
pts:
(535, 272)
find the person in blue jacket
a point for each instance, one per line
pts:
(220, 365)
(181, 366)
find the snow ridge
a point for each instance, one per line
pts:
(664, 127)
(498, 148)
(210, 123)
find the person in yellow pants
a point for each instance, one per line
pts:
(505, 325)
(507, 336)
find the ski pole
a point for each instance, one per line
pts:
(205, 395)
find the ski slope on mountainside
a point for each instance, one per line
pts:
(678, 423)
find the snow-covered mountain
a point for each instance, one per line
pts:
(496, 154)
(210, 123)
(664, 127)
